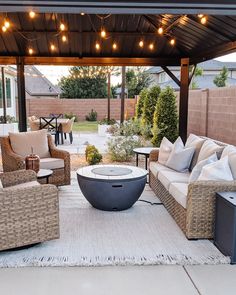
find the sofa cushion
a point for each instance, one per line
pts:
(168, 177)
(218, 171)
(22, 143)
(198, 168)
(51, 163)
(156, 167)
(209, 147)
(196, 142)
(23, 185)
(180, 157)
(179, 192)
(229, 149)
(164, 151)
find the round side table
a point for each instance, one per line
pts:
(145, 151)
(44, 173)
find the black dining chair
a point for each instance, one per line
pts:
(51, 124)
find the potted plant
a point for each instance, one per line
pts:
(7, 125)
(104, 125)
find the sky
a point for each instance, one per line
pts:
(54, 73)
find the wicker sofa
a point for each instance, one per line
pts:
(195, 215)
(12, 161)
(29, 212)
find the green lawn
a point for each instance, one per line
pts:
(85, 126)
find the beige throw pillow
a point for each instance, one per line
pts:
(208, 149)
(22, 142)
(196, 142)
(164, 151)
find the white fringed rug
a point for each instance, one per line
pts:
(143, 235)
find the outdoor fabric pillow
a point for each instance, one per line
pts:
(180, 157)
(219, 170)
(232, 164)
(229, 149)
(164, 151)
(22, 142)
(198, 168)
(195, 142)
(208, 149)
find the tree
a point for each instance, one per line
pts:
(149, 105)
(85, 82)
(221, 79)
(165, 121)
(139, 106)
(198, 73)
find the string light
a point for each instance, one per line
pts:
(103, 33)
(53, 47)
(200, 15)
(32, 14)
(114, 46)
(151, 46)
(160, 31)
(4, 29)
(172, 41)
(7, 24)
(141, 44)
(97, 46)
(82, 13)
(31, 51)
(203, 20)
(64, 38)
(62, 27)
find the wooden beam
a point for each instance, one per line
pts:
(122, 103)
(171, 75)
(94, 61)
(4, 105)
(183, 99)
(21, 94)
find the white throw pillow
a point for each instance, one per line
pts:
(232, 164)
(164, 151)
(22, 142)
(219, 170)
(180, 157)
(229, 149)
(208, 149)
(198, 168)
(196, 142)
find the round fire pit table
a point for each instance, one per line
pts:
(111, 187)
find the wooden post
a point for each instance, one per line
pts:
(21, 94)
(122, 108)
(109, 96)
(4, 96)
(183, 99)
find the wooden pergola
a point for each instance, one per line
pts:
(131, 25)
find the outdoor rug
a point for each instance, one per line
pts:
(143, 235)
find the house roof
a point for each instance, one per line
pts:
(206, 66)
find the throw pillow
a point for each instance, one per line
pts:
(208, 149)
(196, 142)
(219, 170)
(229, 149)
(164, 151)
(180, 157)
(232, 164)
(198, 168)
(22, 142)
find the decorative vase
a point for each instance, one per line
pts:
(32, 162)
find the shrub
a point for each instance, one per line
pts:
(165, 121)
(105, 121)
(149, 105)
(70, 116)
(92, 116)
(9, 119)
(120, 148)
(92, 155)
(139, 106)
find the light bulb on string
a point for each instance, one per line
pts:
(32, 14)
(97, 46)
(6, 24)
(172, 42)
(4, 29)
(64, 38)
(82, 13)
(103, 33)
(114, 46)
(30, 50)
(151, 46)
(53, 47)
(62, 27)
(203, 20)
(160, 30)
(141, 43)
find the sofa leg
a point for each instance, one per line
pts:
(71, 137)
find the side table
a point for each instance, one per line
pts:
(225, 225)
(145, 151)
(44, 173)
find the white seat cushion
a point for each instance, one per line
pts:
(23, 142)
(156, 167)
(51, 163)
(23, 185)
(168, 177)
(179, 192)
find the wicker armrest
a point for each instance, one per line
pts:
(28, 192)
(17, 177)
(212, 185)
(154, 155)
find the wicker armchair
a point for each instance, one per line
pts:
(29, 212)
(11, 161)
(198, 219)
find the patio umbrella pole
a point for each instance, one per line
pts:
(4, 96)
